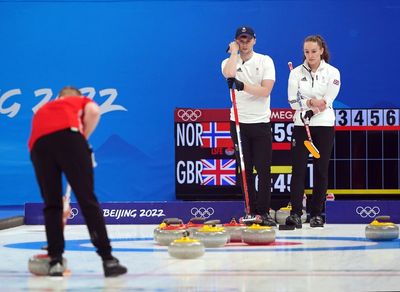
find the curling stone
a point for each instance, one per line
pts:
(258, 235)
(212, 235)
(39, 264)
(284, 212)
(169, 230)
(166, 222)
(382, 229)
(186, 248)
(234, 230)
(194, 224)
(169, 221)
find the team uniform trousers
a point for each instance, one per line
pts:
(68, 152)
(323, 139)
(257, 152)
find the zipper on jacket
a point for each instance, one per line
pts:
(312, 78)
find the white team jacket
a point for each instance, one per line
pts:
(253, 109)
(323, 84)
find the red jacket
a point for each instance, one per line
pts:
(59, 114)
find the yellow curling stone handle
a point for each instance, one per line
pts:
(287, 208)
(377, 223)
(259, 227)
(185, 239)
(208, 228)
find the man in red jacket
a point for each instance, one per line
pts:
(58, 144)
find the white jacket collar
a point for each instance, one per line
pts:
(322, 65)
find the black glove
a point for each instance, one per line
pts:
(306, 117)
(239, 85)
(230, 82)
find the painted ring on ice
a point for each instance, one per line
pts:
(284, 244)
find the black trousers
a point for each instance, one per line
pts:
(323, 139)
(68, 152)
(257, 153)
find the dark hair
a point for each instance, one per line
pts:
(69, 90)
(321, 43)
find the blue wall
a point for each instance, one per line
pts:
(158, 55)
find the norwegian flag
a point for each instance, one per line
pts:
(216, 134)
(219, 172)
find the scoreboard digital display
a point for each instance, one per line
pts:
(365, 159)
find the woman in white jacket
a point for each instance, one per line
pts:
(312, 88)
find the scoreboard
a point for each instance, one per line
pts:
(365, 159)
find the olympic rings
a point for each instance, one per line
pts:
(73, 213)
(370, 212)
(202, 212)
(189, 114)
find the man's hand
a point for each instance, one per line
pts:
(234, 83)
(233, 47)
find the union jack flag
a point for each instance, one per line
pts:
(218, 172)
(216, 134)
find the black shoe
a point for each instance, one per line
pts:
(295, 220)
(316, 221)
(112, 268)
(56, 268)
(267, 220)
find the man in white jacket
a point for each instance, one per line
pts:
(253, 75)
